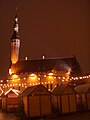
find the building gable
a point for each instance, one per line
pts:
(40, 90)
(68, 90)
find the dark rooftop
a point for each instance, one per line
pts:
(45, 65)
(31, 89)
(60, 89)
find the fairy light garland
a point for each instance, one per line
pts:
(62, 78)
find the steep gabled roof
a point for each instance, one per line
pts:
(27, 91)
(16, 92)
(82, 89)
(60, 89)
(30, 90)
(12, 90)
(44, 65)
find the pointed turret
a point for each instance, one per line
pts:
(15, 41)
(15, 29)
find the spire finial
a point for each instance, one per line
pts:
(16, 10)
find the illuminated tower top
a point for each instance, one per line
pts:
(15, 41)
(15, 29)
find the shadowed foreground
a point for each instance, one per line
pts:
(76, 116)
(8, 116)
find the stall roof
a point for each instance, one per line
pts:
(60, 89)
(82, 88)
(31, 89)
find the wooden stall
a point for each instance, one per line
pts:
(10, 100)
(83, 97)
(1, 92)
(64, 99)
(36, 101)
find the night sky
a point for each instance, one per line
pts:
(54, 28)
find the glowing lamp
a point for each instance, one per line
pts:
(62, 80)
(10, 71)
(15, 76)
(50, 74)
(32, 75)
(1, 80)
(44, 75)
(38, 78)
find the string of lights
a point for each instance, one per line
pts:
(62, 78)
(54, 76)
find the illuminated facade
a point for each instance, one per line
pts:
(47, 71)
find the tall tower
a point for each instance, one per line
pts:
(15, 42)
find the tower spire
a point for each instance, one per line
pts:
(15, 41)
(15, 28)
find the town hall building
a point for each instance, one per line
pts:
(50, 72)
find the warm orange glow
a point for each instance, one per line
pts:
(80, 77)
(19, 84)
(15, 91)
(62, 80)
(1, 91)
(76, 78)
(32, 75)
(1, 81)
(45, 76)
(38, 78)
(50, 74)
(10, 71)
(45, 82)
(15, 76)
(26, 58)
(63, 77)
(68, 73)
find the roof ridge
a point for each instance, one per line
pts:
(47, 58)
